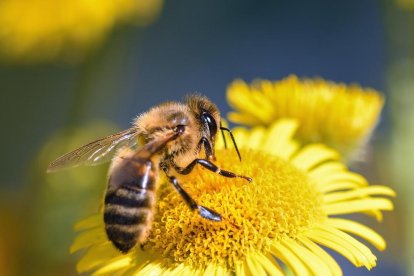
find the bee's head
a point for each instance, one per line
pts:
(208, 117)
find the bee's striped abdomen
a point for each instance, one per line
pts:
(127, 216)
(129, 204)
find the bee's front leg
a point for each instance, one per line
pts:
(210, 166)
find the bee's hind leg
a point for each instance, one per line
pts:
(202, 211)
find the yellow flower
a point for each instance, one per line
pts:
(283, 216)
(338, 115)
(38, 30)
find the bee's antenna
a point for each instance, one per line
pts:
(224, 137)
(232, 138)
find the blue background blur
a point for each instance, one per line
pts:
(194, 46)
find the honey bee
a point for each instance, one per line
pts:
(171, 138)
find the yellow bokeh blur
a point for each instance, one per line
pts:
(43, 30)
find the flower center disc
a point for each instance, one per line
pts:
(279, 202)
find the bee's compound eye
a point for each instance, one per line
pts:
(179, 129)
(211, 123)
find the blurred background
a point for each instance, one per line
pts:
(73, 71)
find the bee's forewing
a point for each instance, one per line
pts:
(96, 152)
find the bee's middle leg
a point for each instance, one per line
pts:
(202, 211)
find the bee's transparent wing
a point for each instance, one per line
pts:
(96, 152)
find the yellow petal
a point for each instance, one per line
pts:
(312, 155)
(338, 186)
(358, 205)
(243, 119)
(365, 255)
(288, 151)
(256, 138)
(289, 258)
(246, 102)
(330, 179)
(357, 193)
(89, 222)
(241, 136)
(237, 89)
(255, 267)
(269, 264)
(118, 264)
(210, 270)
(362, 254)
(220, 271)
(97, 255)
(328, 168)
(333, 244)
(151, 269)
(279, 138)
(240, 269)
(312, 261)
(360, 230)
(377, 214)
(265, 112)
(88, 238)
(181, 270)
(323, 255)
